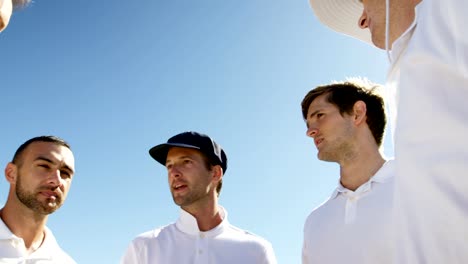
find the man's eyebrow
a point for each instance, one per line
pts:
(314, 113)
(180, 157)
(69, 169)
(51, 161)
(45, 159)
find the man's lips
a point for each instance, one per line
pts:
(50, 194)
(318, 141)
(179, 187)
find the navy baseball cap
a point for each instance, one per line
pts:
(193, 140)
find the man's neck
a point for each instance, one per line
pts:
(208, 217)
(26, 225)
(358, 171)
(401, 17)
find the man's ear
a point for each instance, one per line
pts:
(11, 173)
(360, 112)
(217, 172)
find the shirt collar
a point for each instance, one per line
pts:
(382, 175)
(45, 251)
(187, 223)
(5, 232)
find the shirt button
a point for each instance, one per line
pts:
(200, 251)
(15, 243)
(202, 235)
(353, 198)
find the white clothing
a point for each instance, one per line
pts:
(353, 227)
(430, 75)
(13, 250)
(182, 242)
(6, 8)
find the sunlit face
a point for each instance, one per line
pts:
(333, 133)
(190, 181)
(44, 176)
(6, 8)
(373, 19)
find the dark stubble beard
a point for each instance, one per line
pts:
(30, 200)
(341, 148)
(192, 197)
(340, 152)
(196, 193)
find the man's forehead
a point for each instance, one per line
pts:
(319, 102)
(50, 150)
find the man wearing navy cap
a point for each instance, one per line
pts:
(196, 164)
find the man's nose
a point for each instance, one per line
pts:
(174, 171)
(311, 132)
(54, 178)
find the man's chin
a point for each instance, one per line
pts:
(325, 157)
(48, 211)
(49, 208)
(378, 43)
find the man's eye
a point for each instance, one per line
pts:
(45, 166)
(319, 115)
(65, 174)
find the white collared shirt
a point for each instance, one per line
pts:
(13, 250)
(353, 227)
(182, 242)
(431, 135)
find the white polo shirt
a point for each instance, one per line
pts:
(183, 242)
(13, 250)
(430, 75)
(353, 227)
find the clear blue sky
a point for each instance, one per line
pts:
(115, 78)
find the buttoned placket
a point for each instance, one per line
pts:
(201, 245)
(18, 243)
(352, 199)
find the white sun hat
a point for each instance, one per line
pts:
(342, 16)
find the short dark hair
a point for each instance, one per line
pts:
(209, 163)
(345, 94)
(52, 139)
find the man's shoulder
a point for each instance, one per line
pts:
(61, 256)
(52, 248)
(155, 234)
(243, 235)
(322, 211)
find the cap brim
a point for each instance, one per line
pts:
(341, 16)
(159, 152)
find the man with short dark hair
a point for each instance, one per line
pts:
(40, 176)
(347, 122)
(427, 45)
(195, 165)
(6, 9)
